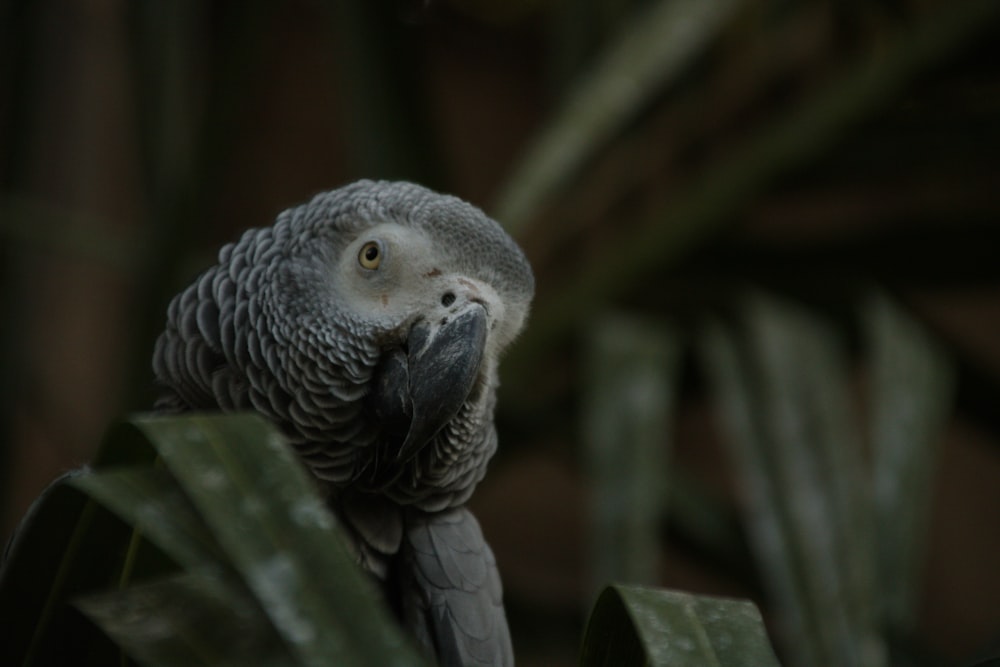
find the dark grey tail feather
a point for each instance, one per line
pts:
(451, 596)
(373, 527)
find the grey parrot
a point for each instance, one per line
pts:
(368, 325)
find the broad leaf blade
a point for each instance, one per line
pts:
(633, 625)
(268, 519)
(124, 445)
(235, 502)
(66, 545)
(150, 499)
(186, 620)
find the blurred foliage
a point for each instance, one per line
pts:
(838, 539)
(818, 152)
(671, 222)
(818, 531)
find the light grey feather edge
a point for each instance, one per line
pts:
(452, 595)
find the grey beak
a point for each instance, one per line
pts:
(418, 394)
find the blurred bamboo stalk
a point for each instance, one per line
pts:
(165, 54)
(18, 53)
(652, 48)
(387, 127)
(626, 421)
(186, 135)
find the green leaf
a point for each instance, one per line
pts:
(58, 551)
(150, 500)
(633, 625)
(124, 445)
(67, 545)
(275, 531)
(188, 619)
(267, 577)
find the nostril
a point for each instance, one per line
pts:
(447, 299)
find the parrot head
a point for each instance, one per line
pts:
(368, 323)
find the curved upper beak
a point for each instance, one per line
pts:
(419, 393)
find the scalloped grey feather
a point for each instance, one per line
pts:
(382, 373)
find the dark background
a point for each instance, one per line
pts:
(809, 150)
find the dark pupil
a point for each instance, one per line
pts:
(371, 253)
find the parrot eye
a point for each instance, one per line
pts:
(370, 256)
